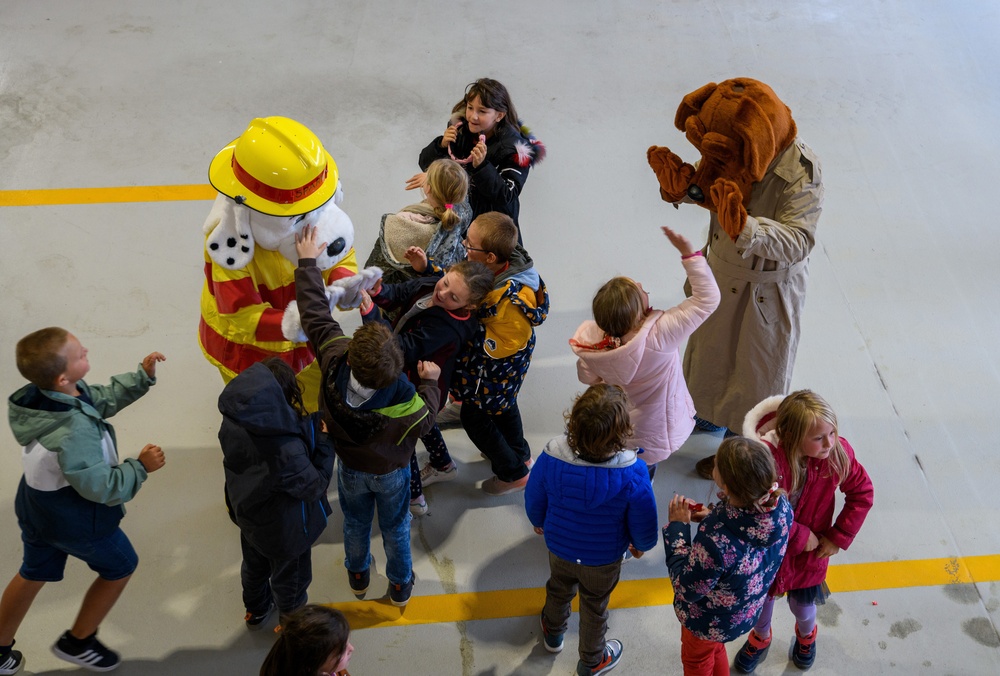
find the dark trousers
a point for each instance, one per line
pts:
(284, 580)
(595, 584)
(500, 437)
(440, 458)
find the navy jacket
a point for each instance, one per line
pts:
(278, 466)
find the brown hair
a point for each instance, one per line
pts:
(747, 468)
(797, 413)
(448, 183)
(599, 424)
(285, 376)
(307, 639)
(499, 234)
(375, 356)
(39, 357)
(618, 307)
(477, 277)
(492, 94)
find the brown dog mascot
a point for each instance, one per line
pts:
(763, 188)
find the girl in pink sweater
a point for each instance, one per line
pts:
(813, 462)
(634, 346)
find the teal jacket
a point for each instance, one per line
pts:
(74, 485)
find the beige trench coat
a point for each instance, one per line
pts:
(745, 351)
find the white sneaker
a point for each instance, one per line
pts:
(450, 415)
(418, 507)
(430, 475)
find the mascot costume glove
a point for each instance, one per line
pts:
(342, 293)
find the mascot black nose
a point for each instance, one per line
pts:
(695, 193)
(336, 247)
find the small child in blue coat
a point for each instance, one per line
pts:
(592, 501)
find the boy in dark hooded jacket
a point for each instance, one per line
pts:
(278, 466)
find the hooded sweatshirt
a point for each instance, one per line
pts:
(591, 512)
(74, 486)
(278, 466)
(720, 580)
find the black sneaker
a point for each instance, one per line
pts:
(752, 653)
(88, 653)
(553, 642)
(399, 594)
(612, 656)
(359, 582)
(256, 620)
(803, 650)
(11, 663)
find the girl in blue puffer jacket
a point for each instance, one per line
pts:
(592, 500)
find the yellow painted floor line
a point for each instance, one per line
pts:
(492, 605)
(147, 193)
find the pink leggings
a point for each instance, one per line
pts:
(805, 616)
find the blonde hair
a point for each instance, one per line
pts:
(618, 306)
(39, 356)
(447, 183)
(796, 416)
(599, 424)
(747, 468)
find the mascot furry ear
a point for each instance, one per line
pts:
(739, 126)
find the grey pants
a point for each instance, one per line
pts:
(595, 584)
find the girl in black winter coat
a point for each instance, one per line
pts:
(278, 464)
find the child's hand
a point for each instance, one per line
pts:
(680, 242)
(812, 543)
(826, 549)
(428, 370)
(151, 457)
(450, 134)
(322, 426)
(149, 363)
(306, 245)
(539, 531)
(478, 153)
(636, 553)
(699, 512)
(417, 258)
(680, 509)
(416, 181)
(366, 302)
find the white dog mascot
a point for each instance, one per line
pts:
(273, 180)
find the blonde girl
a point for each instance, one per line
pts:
(436, 225)
(813, 463)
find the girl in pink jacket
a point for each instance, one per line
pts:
(813, 462)
(634, 346)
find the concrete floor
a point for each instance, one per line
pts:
(899, 100)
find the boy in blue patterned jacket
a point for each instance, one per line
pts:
(720, 581)
(592, 500)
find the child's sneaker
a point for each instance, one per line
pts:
(612, 655)
(752, 653)
(256, 620)
(418, 506)
(12, 662)
(803, 651)
(450, 415)
(553, 642)
(494, 486)
(359, 581)
(431, 475)
(399, 594)
(88, 653)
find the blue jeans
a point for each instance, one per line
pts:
(360, 493)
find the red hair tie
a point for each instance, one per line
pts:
(606, 343)
(448, 206)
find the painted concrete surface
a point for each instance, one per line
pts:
(898, 99)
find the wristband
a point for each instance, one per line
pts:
(692, 255)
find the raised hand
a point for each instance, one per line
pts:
(673, 173)
(306, 245)
(149, 363)
(680, 242)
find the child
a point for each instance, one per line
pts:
(436, 225)
(592, 501)
(70, 499)
(813, 461)
(315, 640)
(434, 322)
(720, 580)
(486, 135)
(374, 417)
(490, 373)
(632, 345)
(278, 466)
